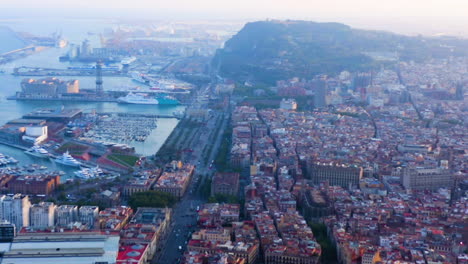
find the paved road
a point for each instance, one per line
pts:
(185, 216)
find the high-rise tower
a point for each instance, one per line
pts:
(99, 89)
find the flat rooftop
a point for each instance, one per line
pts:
(145, 215)
(53, 113)
(61, 248)
(24, 121)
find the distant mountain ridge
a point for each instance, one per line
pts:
(267, 51)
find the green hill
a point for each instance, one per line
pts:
(267, 51)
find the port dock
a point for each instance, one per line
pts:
(139, 115)
(84, 71)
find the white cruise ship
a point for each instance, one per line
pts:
(138, 98)
(38, 151)
(68, 160)
(143, 98)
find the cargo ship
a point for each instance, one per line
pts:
(143, 98)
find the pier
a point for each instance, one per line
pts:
(18, 53)
(17, 146)
(64, 99)
(139, 115)
(36, 71)
(27, 48)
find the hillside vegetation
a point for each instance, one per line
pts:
(267, 51)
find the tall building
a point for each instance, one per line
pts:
(319, 86)
(362, 80)
(336, 174)
(15, 209)
(89, 215)
(99, 89)
(426, 178)
(459, 92)
(66, 215)
(43, 215)
(85, 49)
(7, 231)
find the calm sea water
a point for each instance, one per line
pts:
(76, 31)
(11, 43)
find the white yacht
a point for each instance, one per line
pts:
(67, 159)
(89, 173)
(38, 151)
(140, 78)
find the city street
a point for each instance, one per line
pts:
(184, 220)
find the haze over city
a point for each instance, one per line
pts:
(233, 132)
(408, 17)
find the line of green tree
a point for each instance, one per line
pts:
(223, 198)
(151, 199)
(329, 254)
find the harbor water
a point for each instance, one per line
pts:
(9, 109)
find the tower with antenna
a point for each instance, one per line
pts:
(99, 89)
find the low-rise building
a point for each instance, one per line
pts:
(115, 218)
(215, 214)
(225, 183)
(59, 248)
(175, 179)
(336, 174)
(217, 234)
(33, 184)
(133, 254)
(426, 178)
(142, 182)
(147, 227)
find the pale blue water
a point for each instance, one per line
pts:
(9, 41)
(76, 31)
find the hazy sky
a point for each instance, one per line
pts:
(413, 16)
(424, 8)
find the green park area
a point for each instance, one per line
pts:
(125, 160)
